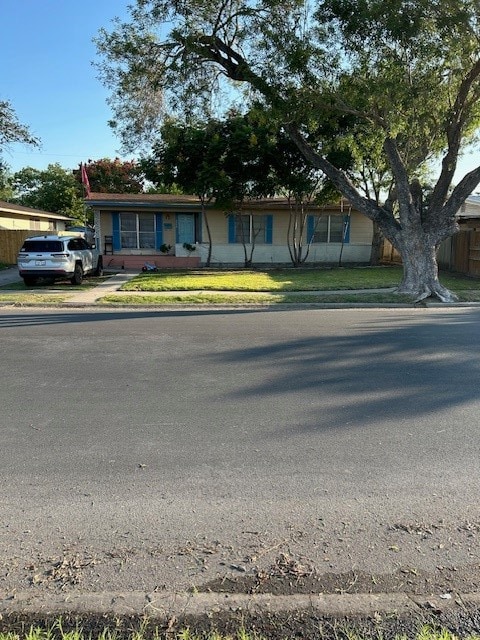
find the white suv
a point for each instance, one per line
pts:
(57, 258)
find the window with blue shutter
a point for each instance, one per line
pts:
(326, 228)
(158, 231)
(117, 242)
(310, 228)
(268, 229)
(248, 228)
(346, 227)
(231, 229)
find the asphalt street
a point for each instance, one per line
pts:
(149, 449)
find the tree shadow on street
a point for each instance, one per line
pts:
(385, 369)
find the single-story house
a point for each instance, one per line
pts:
(18, 222)
(468, 215)
(14, 216)
(134, 228)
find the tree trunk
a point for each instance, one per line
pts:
(420, 270)
(377, 246)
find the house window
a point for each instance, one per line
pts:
(137, 231)
(328, 229)
(250, 229)
(35, 224)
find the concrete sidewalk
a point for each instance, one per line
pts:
(111, 285)
(10, 276)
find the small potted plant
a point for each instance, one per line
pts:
(165, 248)
(189, 247)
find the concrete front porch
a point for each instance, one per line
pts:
(119, 261)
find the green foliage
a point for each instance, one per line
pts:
(53, 189)
(113, 176)
(342, 68)
(6, 189)
(11, 129)
(188, 157)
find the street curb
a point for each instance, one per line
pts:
(165, 606)
(99, 306)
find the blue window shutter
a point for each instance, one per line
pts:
(346, 223)
(117, 242)
(198, 227)
(231, 228)
(158, 231)
(310, 228)
(268, 229)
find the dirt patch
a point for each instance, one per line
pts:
(287, 576)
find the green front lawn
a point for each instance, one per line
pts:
(284, 280)
(267, 280)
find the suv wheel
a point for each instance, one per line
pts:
(77, 275)
(29, 281)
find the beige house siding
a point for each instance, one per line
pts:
(361, 229)
(17, 223)
(223, 252)
(31, 223)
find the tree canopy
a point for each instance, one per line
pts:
(52, 189)
(11, 129)
(403, 75)
(113, 176)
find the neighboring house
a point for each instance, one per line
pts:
(132, 228)
(17, 223)
(14, 216)
(468, 215)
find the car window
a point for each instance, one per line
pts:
(75, 244)
(42, 246)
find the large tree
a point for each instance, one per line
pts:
(52, 189)
(190, 158)
(113, 176)
(409, 72)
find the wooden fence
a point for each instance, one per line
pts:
(10, 242)
(460, 253)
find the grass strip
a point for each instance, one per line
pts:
(145, 632)
(34, 298)
(252, 298)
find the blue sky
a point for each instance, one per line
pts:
(46, 52)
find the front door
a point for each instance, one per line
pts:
(185, 228)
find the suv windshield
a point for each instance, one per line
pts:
(42, 246)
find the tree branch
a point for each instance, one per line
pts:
(454, 138)
(368, 207)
